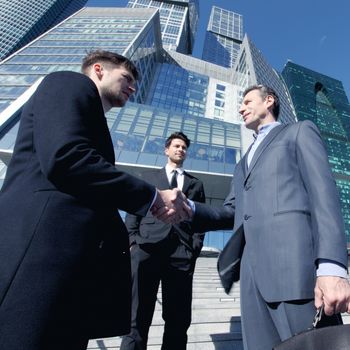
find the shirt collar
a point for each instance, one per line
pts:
(266, 128)
(169, 169)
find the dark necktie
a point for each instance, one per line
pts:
(173, 181)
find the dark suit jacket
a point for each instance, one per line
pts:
(288, 207)
(63, 244)
(150, 230)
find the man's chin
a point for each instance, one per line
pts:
(249, 126)
(119, 103)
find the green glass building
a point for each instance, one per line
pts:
(322, 100)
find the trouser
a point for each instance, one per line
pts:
(264, 324)
(170, 263)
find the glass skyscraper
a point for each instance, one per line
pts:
(223, 38)
(23, 21)
(322, 100)
(178, 21)
(63, 47)
(252, 68)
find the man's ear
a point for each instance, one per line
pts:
(269, 101)
(98, 70)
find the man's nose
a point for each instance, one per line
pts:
(132, 88)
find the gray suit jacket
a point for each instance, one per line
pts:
(287, 205)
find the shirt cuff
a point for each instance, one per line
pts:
(330, 268)
(192, 205)
(154, 199)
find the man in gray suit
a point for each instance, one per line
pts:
(284, 200)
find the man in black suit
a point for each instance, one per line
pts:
(64, 252)
(166, 253)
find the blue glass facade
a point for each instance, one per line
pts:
(128, 32)
(178, 21)
(23, 21)
(140, 131)
(323, 100)
(179, 89)
(223, 38)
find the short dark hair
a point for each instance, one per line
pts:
(264, 92)
(110, 58)
(177, 135)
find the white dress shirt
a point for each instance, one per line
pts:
(180, 175)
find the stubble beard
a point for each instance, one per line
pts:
(114, 99)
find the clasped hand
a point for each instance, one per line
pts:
(171, 206)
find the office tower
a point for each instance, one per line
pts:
(223, 37)
(322, 99)
(23, 21)
(178, 21)
(63, 47)
(189, 85)
(252, 68)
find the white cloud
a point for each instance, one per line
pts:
(322, 40)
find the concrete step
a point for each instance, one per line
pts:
(215, 316)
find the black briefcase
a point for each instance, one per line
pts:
(326, 338)
(229, 261)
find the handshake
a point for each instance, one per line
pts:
(171, 206)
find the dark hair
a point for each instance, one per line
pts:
(264, 92)
(110, 58)
(177, 135)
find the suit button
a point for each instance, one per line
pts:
(246, 217)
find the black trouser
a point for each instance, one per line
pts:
(171, 263)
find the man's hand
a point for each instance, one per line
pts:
(334, 293)
(171, 206)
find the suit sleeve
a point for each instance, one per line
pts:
(132, 223)
(200, 194)
(212, 218)
(327, 221)
(66, 110)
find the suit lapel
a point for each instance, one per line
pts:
(244, 163)
(163, 182)
(187, 182)
(259, 151)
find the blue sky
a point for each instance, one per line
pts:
(312, 33)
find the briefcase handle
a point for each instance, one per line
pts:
(318, 316)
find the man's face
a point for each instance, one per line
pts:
(117, 85)
(254, 109)
(176, 151)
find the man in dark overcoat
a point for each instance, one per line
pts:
(64, 250)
